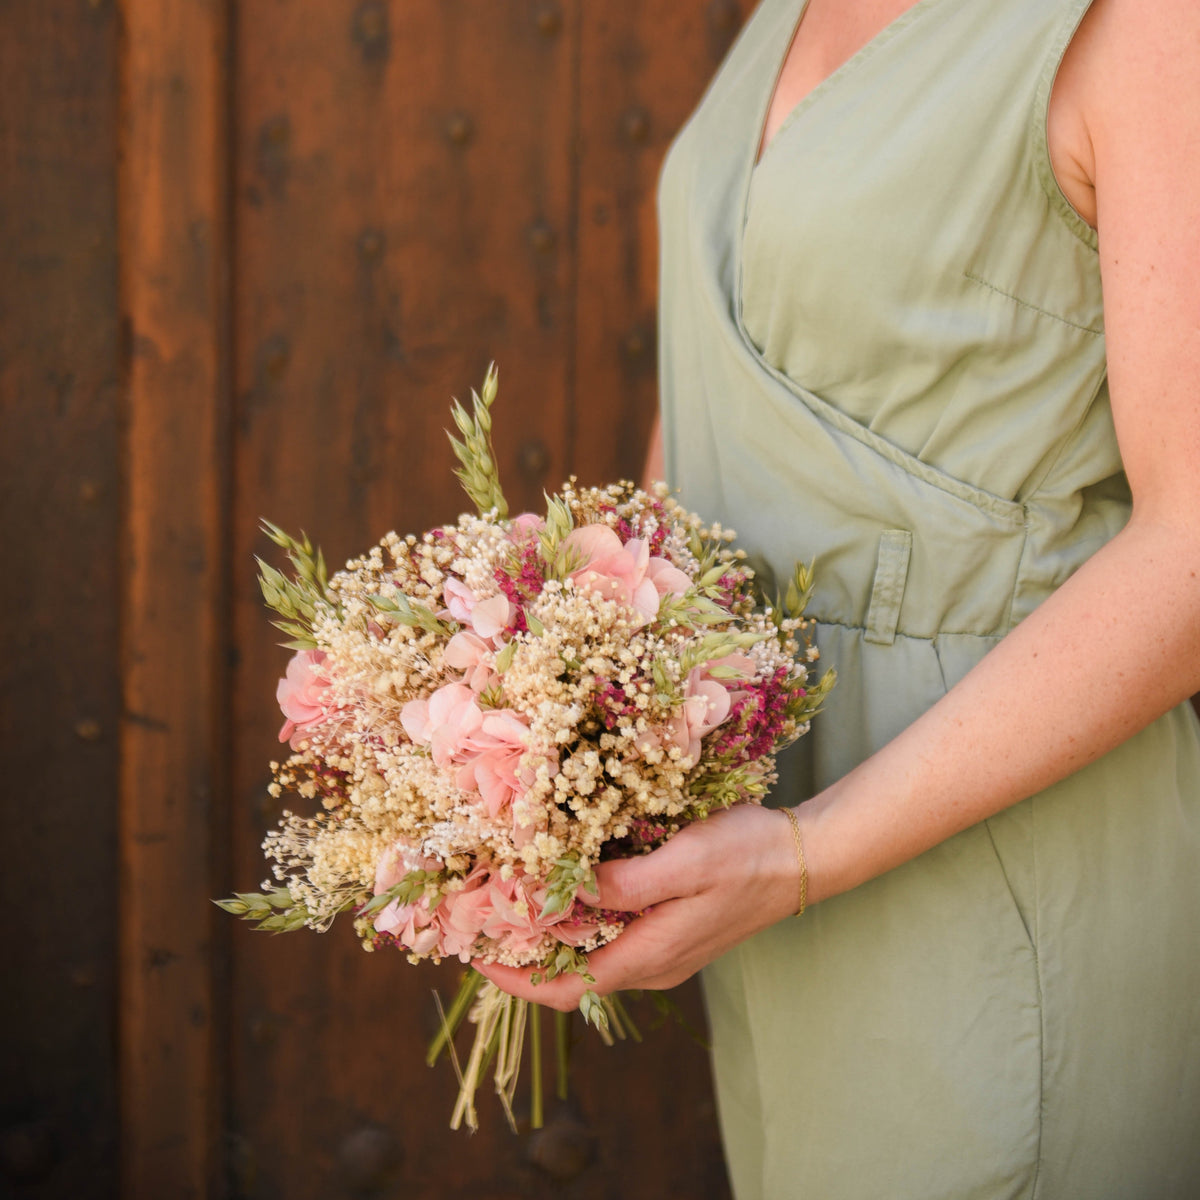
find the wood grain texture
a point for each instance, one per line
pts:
(643, 65)
(59, 686)
(173, 248)
(408, 201)
(402, 201)
(250, 252)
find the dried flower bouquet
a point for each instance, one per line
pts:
(482, 714)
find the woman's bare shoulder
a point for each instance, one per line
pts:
(1129, 63)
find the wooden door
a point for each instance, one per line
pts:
(250, 251)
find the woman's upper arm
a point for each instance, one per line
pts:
(654, 468)
(1141, 107)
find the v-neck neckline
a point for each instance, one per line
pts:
(752, 160)
(894, 26)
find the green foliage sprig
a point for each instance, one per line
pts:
(721, 788)
(478, 474)
(804, 702)
(559, 560)
(275, 912)
(404, 611)
(804, 707)
(717, 645)
(566, 877)
(692, 609)
(298, 600)
(415, 886)
(569, 961)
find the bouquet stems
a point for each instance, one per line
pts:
(463, 1000)
(562, 1046)
(536, 1113)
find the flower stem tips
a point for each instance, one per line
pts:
(406, 612)
(478, 474)
(593, 1010)
(566, 877)
(298, 600)
(275, 912)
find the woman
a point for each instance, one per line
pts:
(883, 344)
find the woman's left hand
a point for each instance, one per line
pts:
(711, 886)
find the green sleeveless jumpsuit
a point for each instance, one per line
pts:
(883, 347)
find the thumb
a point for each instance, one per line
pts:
(634, 884)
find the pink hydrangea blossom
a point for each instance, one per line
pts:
(525, 525)
(515, 916)
(447, 722)
(706, 705)
(303, 693)
(503, 769)
(394, 863)
(491, 617)
(573, 926)
(486, 618)
(504, 910)
(496, 772)
(487, 905)
(410, 924)
(459, 600)
(462, 915)
(624, 572)
(469, 653)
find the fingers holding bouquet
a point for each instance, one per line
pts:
(714, 884)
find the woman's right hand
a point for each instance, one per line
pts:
(714, 884)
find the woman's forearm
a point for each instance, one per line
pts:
(1111, 650)
(655, 466)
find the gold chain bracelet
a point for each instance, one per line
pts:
(795, 824)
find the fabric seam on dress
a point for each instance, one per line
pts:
(1009, 511)
(987, 825)
(913, 466)
(1030, 938)
(914, 637)
(1012, 596)
(761, 150)
(1066, 211)
(1037, 966)
(1020, 576)
(727, 62)
(1037, 482)
(755, 1044)
(941, 666)
(1027, 304)
(887, 591)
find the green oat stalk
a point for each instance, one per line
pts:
(297, 600)
(478, 473)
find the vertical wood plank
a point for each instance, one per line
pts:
(59, 689)
(643, 66)
(408, 190)
(173, 240)
(402, 199)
